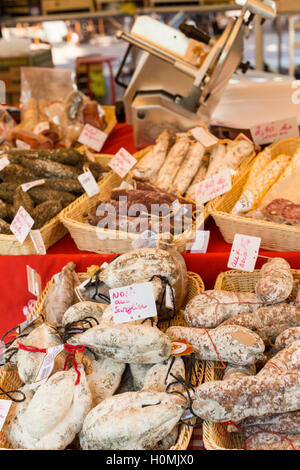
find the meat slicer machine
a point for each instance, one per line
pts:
(181, 74)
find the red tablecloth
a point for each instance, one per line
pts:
(13, 287)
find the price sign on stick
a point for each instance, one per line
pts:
(244, 252)
(122, 162)
(89, 183)
(133, 302)
(210, 188)
(21, 225)
(92, 137)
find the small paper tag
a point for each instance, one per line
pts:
(32, 184)
(146, 239)
(22, 145)
(204, 136)
(47, 365)
(276, 130)
(92, 137)
(41, 127)
(26, 323)
(34, 281)
(134, 302)
(4, 409)
(170, 295)
(122, 162)
(4, 162)
(38, 242)
(181, 347)
(89, 183)
(21, 224)
(200, 243)
(244, 252)
(210, 188)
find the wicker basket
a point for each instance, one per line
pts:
(10, 380)
(215, 436)
(275, 237)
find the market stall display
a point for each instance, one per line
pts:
(146, 385)
(265, 427)
(264, 202)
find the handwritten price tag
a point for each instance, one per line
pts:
(21, 225)
(244, 252)
(274, 131)
(89, 183)
(34, 281)
(133, 302)
(210, 188)
(47, 365)
(92, 137)
(204, 136)
(4, 162)
(122, 162)
(4, 409)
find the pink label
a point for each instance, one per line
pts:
(274, 131)
(122, 162)
(4, 409)
(133, 302)
(92, 137)
(244, 252)
(213, 187)
(21, 225)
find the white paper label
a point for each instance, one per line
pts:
(122, 162)
(47, 365)
(204, 136)
(200, 243)
(244, 252)
(34, 281)
(21, 224)
(41, 127)
(4, 409)
(169, 297)
(32, 184)
(38, 242)
(92, 137)
(146, 239)
(210, 188)
(26, 323)
(276, 130)
(4, 162)
(22, 145)
(134, 302)
(89, 183)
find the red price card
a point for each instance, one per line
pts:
(122, 162)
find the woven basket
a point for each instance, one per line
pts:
(275, 237)
(10, 380)
(98, 240)
(214, 436)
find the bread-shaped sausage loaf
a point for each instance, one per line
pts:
(276, 281)
(269, 321)
(212, 307)
(131, 421)
(82, 310)
(287, 337)
(286, 360)
(160, 376)
(189, 167)
(142, 344)
(234, 344)
(237, 399)
(172, 163)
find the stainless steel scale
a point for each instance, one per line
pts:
(180, 77)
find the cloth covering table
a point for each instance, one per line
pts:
(13, 285)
